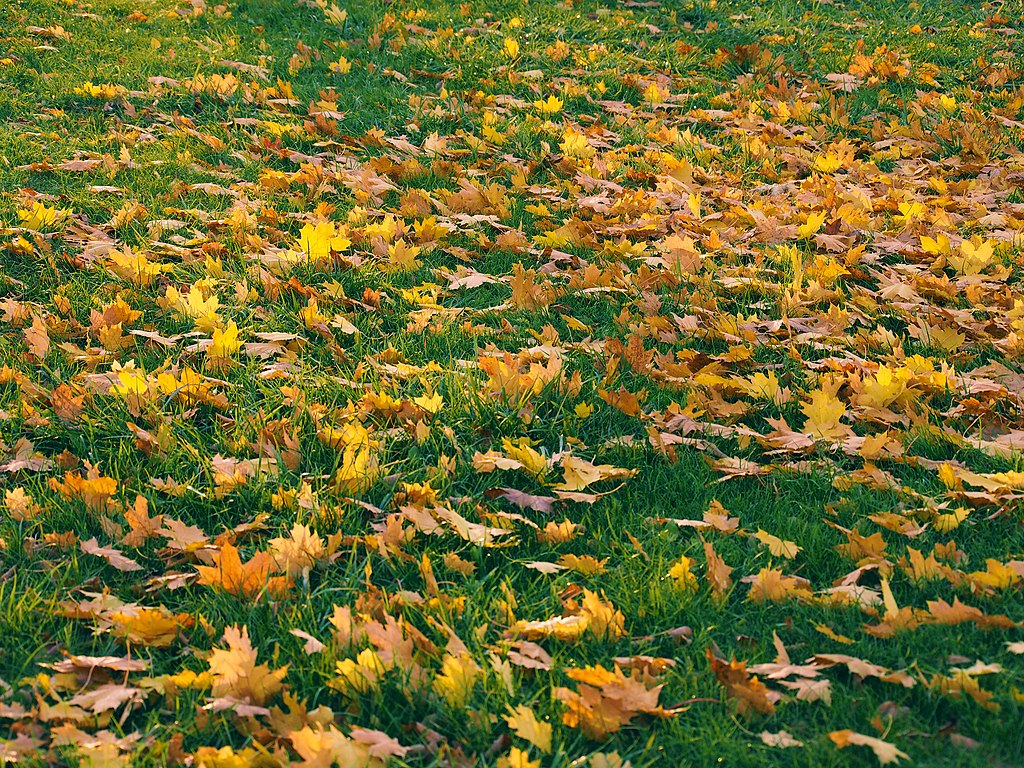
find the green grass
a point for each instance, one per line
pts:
(439, 68)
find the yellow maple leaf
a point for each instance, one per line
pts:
(155, 627)
(812, 225)
(456, 679)
(105, 91)
(575, 144)
(341, 67)
(322, 747)
(194, 305)
(533, 461)
(604, 620)
(225, 343)
(359, 466)
(778, 547)
(655, 94)
(526, 725)
(318, 240)
(772, 585)
(402, 257)
(580, 473)
(359, 675)
(823, 412)
(552, 105)
(95, 490)
(944, 523)
(431, 402)
(20, 505)
(884, 751)
(311, 315)
(765, 386)
(607, 700)
(40, 218)
(585, 564)
(221, 757)
(681, 573)
(37, 338)
(517, 758)
(299, 551)
(939, 246)
(974, 257)
(887, 386)
(996, 575)
(333, 13)
(682, 256)
(236, 673)
(564, 628)
(827, 163)
(909, 213)
(274, 181)
(558, 533)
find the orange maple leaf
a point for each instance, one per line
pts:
(748, 692)
(243, 579)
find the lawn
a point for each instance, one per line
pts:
(519, 384)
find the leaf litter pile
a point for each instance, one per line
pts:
(544, 385)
